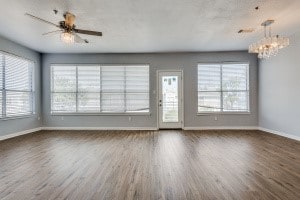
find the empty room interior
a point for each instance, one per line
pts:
(161, 99)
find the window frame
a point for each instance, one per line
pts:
(221, 91)
(4, 90)
(77, 113)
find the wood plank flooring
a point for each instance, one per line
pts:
(149, 165)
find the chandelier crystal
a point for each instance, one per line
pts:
(67, 38)
(269, 45)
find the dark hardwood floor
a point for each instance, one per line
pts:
(149, 165)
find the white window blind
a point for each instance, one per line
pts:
(100, 89)
(223, 88)
(1, 84)
(113, 88)
(88, 88)
(137, 89)
(63, 89)
(16, 86)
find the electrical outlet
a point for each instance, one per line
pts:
(39, 118)
(216, 118)
(129, 119)
(62, 118)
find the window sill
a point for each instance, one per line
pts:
(17, 117)
(223, 113)
(100, 114)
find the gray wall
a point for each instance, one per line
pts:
(16, 125)
(279, 90)
(185, 61)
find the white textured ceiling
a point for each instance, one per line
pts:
(148, 25)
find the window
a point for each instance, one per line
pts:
(223, 88)
(16, 86)
(100, 89)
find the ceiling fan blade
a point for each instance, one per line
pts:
(42, 20)
(78, 39)
(53, 32)
(87, 32)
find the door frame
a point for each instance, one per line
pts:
(157, 95)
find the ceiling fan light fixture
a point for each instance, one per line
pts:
(67, 38)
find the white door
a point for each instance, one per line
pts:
(170, 99)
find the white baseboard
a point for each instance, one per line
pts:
(279, 133)
(101, 128)
(4, 137)
(152, 129)
(221, 128)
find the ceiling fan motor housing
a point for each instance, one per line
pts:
(66, 27)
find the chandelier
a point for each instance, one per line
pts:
(269, 45)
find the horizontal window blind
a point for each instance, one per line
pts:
(89, 88)
(100, 89)
(113, 88)
(63, 86)
(1, 85)
(223, 88)
(137, 89)
(16, 86)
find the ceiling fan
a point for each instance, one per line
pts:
(67, 28)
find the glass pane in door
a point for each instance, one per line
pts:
(170, 98)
